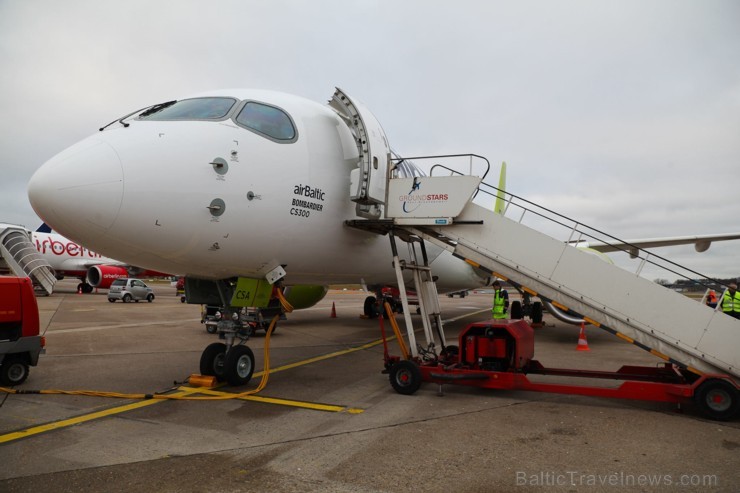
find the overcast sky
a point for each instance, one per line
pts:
(624, 115)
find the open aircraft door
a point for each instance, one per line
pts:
(368, 180)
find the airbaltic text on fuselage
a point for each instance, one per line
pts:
(50, 245)
(310, 192)
(300, 206)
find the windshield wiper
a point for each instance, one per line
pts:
(149, 111)
(157, 107)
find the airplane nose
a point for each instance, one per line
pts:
(79, 189)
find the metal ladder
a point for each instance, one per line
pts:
(19, 253)
(426, 290)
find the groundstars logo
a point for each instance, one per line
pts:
(414, 199)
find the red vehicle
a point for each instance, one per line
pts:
(498, 354)
(20, 343)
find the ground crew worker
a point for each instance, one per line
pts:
(731, 301)
(712, 298)
(501, 302)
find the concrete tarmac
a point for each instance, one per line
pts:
(367, 439)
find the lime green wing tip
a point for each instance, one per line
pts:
(500, 205)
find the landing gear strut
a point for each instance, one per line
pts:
(232, 360)
(84, 288)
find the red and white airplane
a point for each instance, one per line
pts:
(70, 259)
(239, 185)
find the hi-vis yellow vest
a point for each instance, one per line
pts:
(731, 303)
(498, 304)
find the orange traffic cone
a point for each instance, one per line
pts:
(333, 311)
(582, 342)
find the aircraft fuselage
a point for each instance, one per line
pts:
(216, 198)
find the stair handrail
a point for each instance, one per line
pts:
(614, 242)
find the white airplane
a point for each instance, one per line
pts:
(70, 259)
(235, 187)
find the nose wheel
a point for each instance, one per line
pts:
(234, 365)
(212, 361)
(239, 365)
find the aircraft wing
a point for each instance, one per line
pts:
(701, 243)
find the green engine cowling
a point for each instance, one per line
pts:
(304, 295)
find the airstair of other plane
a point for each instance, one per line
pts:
(23, 260)
(666, 323)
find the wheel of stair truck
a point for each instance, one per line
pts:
(718, 399)
(212, 361)
(239, 365)
(13, 371)
(515, 311)
(405, 377)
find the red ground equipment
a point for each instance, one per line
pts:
(498, 354)
(20, 343)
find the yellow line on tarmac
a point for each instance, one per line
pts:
(35, 430)
(9, 437)
(287, 402)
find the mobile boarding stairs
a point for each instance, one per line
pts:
(23, 260)
(440, 210)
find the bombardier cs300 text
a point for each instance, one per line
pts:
(237, 186)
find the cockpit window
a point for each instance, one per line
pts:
(190, 109)
(267, 120)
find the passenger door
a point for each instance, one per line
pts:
(368, 180)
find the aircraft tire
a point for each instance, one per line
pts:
(516, 310)
(239, 365)
(536, 312)
(370, 308)
(13, 371)
(718, 399)
(212, 361)
(405, 377)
